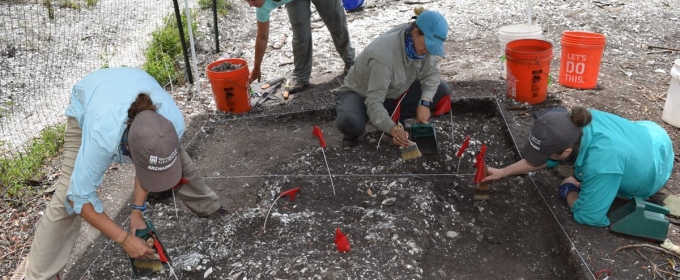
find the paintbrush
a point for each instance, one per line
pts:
(412, 152)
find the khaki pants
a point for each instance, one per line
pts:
(57, 231)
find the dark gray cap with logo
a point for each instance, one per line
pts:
(155, 147)
(552, 132)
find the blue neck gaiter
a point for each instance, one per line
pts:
(410, 48)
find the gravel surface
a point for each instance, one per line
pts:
(633, 81)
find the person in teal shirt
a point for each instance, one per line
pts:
(117, 115)
(299, 14)
(614, 157)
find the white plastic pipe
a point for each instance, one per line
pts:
(529, 12)
(193, 49)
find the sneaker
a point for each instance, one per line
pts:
(349, 143)
(298, 86)
(218, 214)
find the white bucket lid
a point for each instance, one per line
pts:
(519, 31)
(675, 71)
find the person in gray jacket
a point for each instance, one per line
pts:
(399, 62)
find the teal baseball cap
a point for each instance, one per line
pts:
(436, 29)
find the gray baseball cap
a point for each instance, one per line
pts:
(154, 148)
(552, 132)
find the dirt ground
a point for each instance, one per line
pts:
(433, 230)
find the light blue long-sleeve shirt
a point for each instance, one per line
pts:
(99, 102)
(618, 157)
(262, 13)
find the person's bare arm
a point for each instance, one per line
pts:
(133, 246)
(519, 167)
(261, 41)
(138, 198)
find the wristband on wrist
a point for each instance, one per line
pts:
(127, 234)
(139, 207)
(565, 189)
(424, 102)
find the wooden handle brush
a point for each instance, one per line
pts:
(412, 152)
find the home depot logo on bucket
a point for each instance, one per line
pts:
(580, 59)
(528, 69)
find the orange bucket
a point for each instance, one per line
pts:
(230, 88)
(528, 69)
(580, 59)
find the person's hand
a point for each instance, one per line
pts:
(494, 174)
(400, 137)
(254, 75)
(571, 180)
(137, 248)
(423, 114)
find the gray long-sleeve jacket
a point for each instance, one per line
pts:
(382, 71)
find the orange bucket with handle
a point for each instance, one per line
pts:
(580, 59)
(528, 69)
(230, 86)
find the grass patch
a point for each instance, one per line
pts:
(165, 50)
(19, 168)
(223, 6)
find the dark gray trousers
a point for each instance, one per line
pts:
(333, 15)
(351, 116)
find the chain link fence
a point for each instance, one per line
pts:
(47, 46)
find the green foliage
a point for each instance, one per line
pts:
(165, 49)
(223, 6)
(91, 2)
(16, 170)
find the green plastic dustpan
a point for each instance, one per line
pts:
(425, 137)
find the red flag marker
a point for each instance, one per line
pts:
(443, 106)
(481, 165)
(319, 134)
(291, 193)
(182, 181)
(396, 114)
(341, 241)
(466, 143)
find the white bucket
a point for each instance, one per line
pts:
(671, 111)
(515, 32)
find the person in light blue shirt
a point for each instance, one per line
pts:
(613, 157)
(299, 14)
(117, 115)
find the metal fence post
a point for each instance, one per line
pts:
(181, 39)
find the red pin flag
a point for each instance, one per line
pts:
(182, 181)
(481, 166)
(341, 241)
(319, 134)
(443, 106)
(291, 193)
(396, 114)
(466, 143)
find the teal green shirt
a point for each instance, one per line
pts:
(618, 157)
(262, 13)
